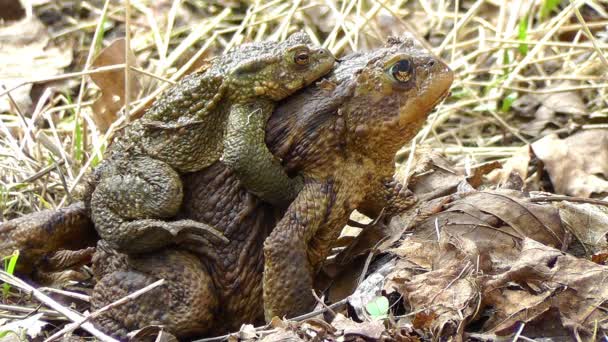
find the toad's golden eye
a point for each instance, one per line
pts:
(402, 70)
(302, 58)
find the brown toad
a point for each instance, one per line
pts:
(342, 136)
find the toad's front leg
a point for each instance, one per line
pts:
(298, 245)
(246, 153)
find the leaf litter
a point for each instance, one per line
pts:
(497, 260)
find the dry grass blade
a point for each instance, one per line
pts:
(72, 315)
(77, 324)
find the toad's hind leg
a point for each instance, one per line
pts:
(185, 304)
(132, 203)
(246, 153)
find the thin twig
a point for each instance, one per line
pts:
(48, 301)
(69, 294)
(77, 324)
(569, 199)
(320, 301)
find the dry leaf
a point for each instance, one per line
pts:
(575, 287)
(112, 84)
(31, 326)
(417, 251)
(587, 222)
(346, 327)
(564, 102)
(513, 209)
(26, 54)
(517, 164)
(450, 291)
(282, 335)
(492, 262)
(496, 220)
(600, 258)
(548, 105)
(577, 165)
(475, 179)
(424, 320)
(430, 172)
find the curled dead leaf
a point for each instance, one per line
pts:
(572, 286)
(27, 53)
(371, 330)
(577, 165)
(588, 223)
(112, 84)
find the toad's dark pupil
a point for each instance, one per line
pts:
(402, 70)
(302, 58)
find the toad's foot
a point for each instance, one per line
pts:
(191, 229)
(159, 232)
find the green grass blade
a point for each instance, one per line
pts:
(522, 35)
(548, 7)
(10, 262)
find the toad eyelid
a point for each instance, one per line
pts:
(302, 47)
(396, 59)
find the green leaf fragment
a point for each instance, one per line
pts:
(378, 307)
(4, 333)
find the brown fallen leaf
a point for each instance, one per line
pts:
(513, 208)
(497, 221)
(575, 287)
(600, 258)
(449, 293)
(577, 165)
(352, 330)
(26, 54)
(424, 320)
(281, 335)
(588, 223)
(420, 252)
(430, 172)
(476, 178)
(545, 107)
(517, 164)
(112, 84)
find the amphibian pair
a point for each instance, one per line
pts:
(219, 112)
(341, 136)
